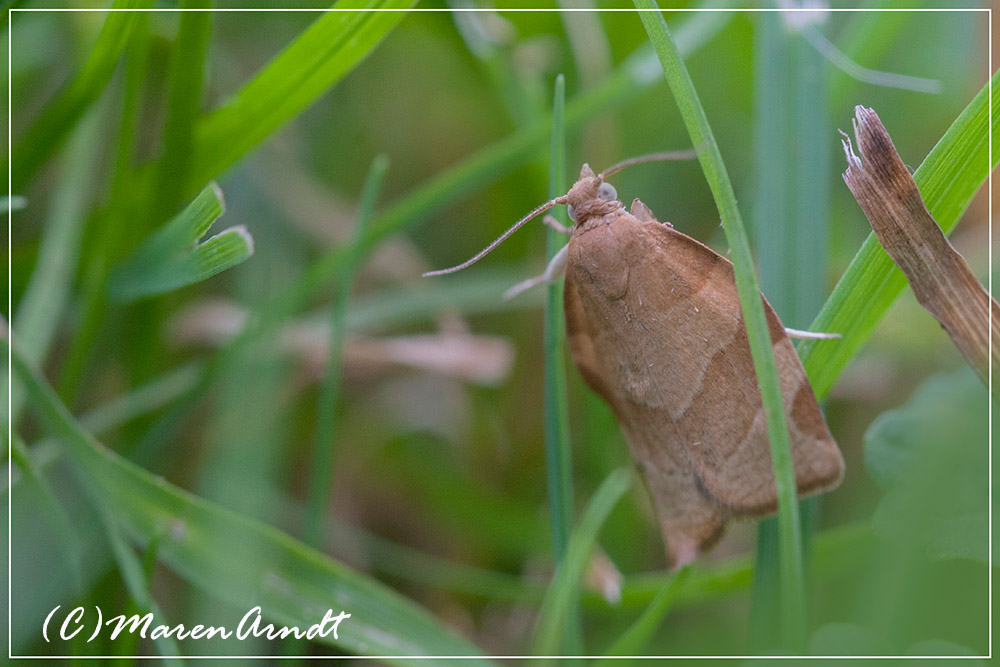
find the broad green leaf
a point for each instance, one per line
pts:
(931, 456)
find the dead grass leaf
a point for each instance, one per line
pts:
(938, 274)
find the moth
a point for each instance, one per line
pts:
(654, 326)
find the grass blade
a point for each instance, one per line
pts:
(136, 581)
(290, 581)
(792, 584)
(558, 455)
(947, 178)
(325, 444)
(166, 260)
(41, 309)
(60, 520)
(222, 251)
(182, 231)
(639, 633)
(557, 447)
(113, 231)
(158, 393)
(566, 583)
(790, 225)
(771, 217)
(60, 115)
(184, 87)
(318, 58)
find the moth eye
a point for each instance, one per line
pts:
(572, 212)
(607, 192)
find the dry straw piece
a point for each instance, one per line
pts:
(940, 278)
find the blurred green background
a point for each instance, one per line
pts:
(437, 474)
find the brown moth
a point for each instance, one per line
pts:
(655, 327)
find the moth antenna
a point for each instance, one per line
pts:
(503, 237)
(688, 154)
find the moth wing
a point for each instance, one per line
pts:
(655, 327)
(723, 426)
(690, 520)
(642, 212)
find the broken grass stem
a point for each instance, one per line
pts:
(940, 278)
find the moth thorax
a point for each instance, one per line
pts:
(591, 197)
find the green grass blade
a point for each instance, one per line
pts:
(143, 400)
(771, 214)
(41, 309)
(318, 58)
(184, 87)
(792, 584)
(61, 523)
(136, 581)
(59, 116)
(182, 231)
(948, 178)
(566, 583)
(325, 439)
(167, 261)
(639, 633)
(292, 583)
(112, 228)
(223, 251)
(790, 225)
(558, 455)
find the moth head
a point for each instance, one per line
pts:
(590, 195)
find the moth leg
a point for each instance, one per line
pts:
(810, 335)
(552, 223)
(553, 272)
